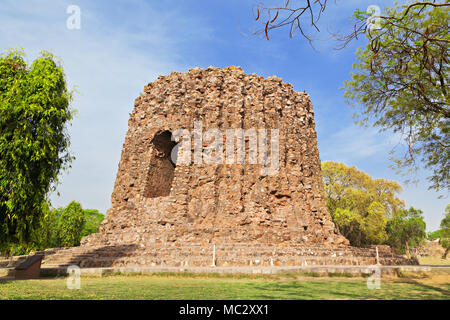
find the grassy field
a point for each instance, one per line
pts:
(434, 260)
(161, 287)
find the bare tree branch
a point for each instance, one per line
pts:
(286, 15)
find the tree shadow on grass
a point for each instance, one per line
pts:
(4, 280)
(291, 290)
(347, 291)
(426, 288)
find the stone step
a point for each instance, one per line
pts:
(145, 260)
(208, 256)
(15, 261)
(297, 250)
(7, 272)
(157, 254)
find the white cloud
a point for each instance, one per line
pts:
(356, 143)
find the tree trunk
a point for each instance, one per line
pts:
(11, 258)
(445, 253)
(407, 250)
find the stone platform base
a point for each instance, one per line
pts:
(344, 271)
(219, 255)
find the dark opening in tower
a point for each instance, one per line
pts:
(162, 168)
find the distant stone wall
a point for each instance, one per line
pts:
(157, 201)
(429, 249)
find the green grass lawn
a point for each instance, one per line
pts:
(434, 260)
(223, 288)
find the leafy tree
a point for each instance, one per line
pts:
(406, 229)
(434, 235)
(362, 229)
(42, 237)
(45, 235)
(349, 225)
(359, 204)
(401, 77)
(401, 84)
(445, 231)
(70, 222)
(93, 219)
(34, 114)
(349, 188)
(61, 227)
(374, 224)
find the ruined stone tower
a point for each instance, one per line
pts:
(167, 212)
(155, 200)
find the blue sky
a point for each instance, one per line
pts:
(123, 45)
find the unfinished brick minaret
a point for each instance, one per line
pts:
(155, 200)
(175, 214)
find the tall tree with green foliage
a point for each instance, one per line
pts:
(406, 229)
(70, 222)
(445, 232)
(359, 204)
(362, 229)
(61, 227)
(44, 236)
(34, 114)
(400, 83)
(350, 188)
(93, 220)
